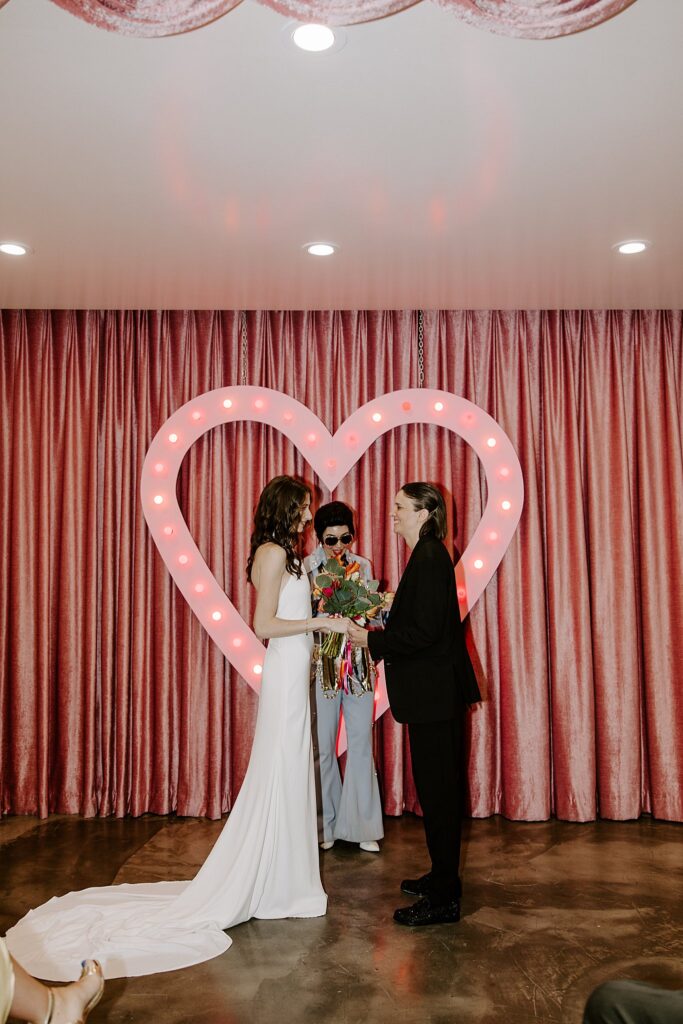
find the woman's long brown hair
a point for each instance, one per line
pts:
(276, 519)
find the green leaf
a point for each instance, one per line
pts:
(333, 568)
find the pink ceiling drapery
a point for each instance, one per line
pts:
(529, 19)
(113, 700)
(535, 19)
(148, 17)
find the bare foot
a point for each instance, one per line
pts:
(72, 1003)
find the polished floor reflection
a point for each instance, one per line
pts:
(550, 910)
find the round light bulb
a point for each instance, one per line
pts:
(478, 563)
(196, 415)
(173, 438)
(168, 530)
(216, 616)
(199, 588)
(507, 505)
(237, 641)
(259, 403)
(13, 248)
(491, 442)
(438, 406)
(158, 499)
(227, 403)
(376, 417)
(631, 248)
(313, 38)
(320, 249)
(258, 669)
(311, 438)
(183, 559)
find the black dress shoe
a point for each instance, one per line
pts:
(416, 886)
(426, 912)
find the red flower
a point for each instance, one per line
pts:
(328, 591)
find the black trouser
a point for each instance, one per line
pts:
(436, 749)
(633, 1002)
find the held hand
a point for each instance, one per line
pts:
(358, 635)
(388, 599)
(332, 624)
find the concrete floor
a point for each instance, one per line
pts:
(550, 910)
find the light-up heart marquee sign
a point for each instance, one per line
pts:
(331, 457)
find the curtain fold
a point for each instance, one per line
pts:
(528, 19)
(114, 700)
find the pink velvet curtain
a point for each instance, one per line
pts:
(530, 19)
(114, 701)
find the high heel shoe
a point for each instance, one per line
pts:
(88, 967)
(91, 967)
(50, 1005)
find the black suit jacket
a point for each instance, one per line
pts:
(426, 663)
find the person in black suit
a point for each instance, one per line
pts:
(430, 680)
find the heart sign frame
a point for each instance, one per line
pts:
(330, 457)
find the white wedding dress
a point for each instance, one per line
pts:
(264, 863)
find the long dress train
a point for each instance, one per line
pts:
(264, 863)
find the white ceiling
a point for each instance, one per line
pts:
(453, 167)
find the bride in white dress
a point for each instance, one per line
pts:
(265, 861)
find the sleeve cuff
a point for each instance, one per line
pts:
(376, 644)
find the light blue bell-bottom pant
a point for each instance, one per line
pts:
(351, 810)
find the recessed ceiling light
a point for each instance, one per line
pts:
(320, 248)
(14, 248)
(631, 247)
(313, 38)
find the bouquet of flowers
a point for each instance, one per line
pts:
(340, 590)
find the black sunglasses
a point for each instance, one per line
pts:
(345, 538)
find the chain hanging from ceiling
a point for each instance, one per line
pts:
(245, 351)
